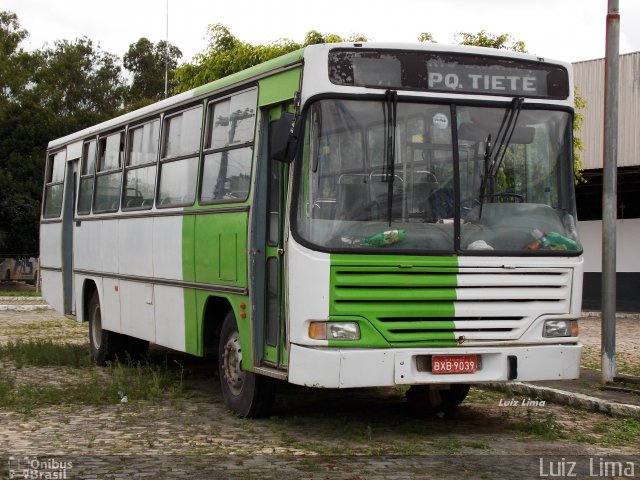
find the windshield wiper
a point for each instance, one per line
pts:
(499, 149)
(390, 111)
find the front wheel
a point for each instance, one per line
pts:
(244, 392)
(429, 398)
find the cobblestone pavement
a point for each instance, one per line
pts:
(627, 343)
(356, 434)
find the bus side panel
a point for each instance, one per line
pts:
(135, 257)
(279, 88)
(215, 250)
(110, 304)
(167, 247)
(86, 249)
(108, 246)
(51, 262)
(52, 289)
(169, 304)
(135, 253)
(136, 309)
(221, 249)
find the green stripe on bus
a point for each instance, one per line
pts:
(250, 73)
(408, 300)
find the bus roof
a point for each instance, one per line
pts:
(244, 76)
(274, 65)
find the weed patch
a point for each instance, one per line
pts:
(45, 352)
(548, 429)
(18, 293)
(618, 432)
(136, 382)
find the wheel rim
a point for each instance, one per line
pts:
(232, 364)
(96, 328)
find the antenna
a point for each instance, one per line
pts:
(166, 57)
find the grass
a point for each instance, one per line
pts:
(84, 384)
(14, 293)
(548, 429)
(45, 352)
(618, 432)
(138, 382)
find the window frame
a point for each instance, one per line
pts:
(208, 132)
(154, 163)
(163, 160)
(104, 173)
(49, 184)
(89, 176)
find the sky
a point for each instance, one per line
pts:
(570, 30)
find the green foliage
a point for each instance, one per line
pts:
(138, 382)
(148, 63)
(45, 352)
(489, 40)
(44, 94)
(578, 147)
(18, 293)
(226, 54)
(426, 37)
(548, 429)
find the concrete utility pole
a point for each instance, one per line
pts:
(609, 192)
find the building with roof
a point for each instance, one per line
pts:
(589, 78)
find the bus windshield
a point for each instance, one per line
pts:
(457, 178)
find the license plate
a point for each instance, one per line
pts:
(454, 363)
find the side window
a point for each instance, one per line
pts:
(86, 177)
(109, 173)
(226, 173)
(140, 170)
(179, 161)
(54, 184)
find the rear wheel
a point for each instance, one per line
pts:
(105, 344)
(247, 394)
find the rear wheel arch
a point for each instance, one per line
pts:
(89, 287)
(215, 311)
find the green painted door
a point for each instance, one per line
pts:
(267, 253)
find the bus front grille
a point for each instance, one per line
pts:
(440, 306)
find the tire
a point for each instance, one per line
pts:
(244, 392)
(455, 395)
(105, 345)
(425, 397)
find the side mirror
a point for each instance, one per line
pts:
(283, 137)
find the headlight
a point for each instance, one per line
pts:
(334, 330)
(560, 328)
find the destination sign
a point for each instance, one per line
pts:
(448, 72)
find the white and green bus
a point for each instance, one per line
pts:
(347, 215)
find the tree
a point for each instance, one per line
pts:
(578, 147)
(148, 63)
(426, 37)
(78, 79)
(12, 57)
(226, 54)
(484, 39)
(44, 95)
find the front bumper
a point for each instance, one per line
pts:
(325, 367)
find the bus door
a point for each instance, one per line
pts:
(68, 209)
(267, 240)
